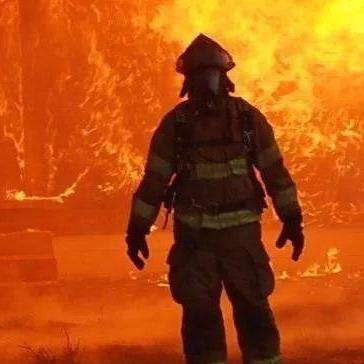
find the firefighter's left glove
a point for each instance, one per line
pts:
(137, 243)
(292, 230)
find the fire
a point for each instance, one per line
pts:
(285, 53)
(301, 63)
(110, 76)
(332, 266)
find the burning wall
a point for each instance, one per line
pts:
(83, 85)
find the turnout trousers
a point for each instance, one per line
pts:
(202, 262)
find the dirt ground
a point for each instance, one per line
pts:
(118, 315)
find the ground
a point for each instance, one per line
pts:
(121, 316)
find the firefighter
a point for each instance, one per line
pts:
(202, 162)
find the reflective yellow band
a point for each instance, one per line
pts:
(268, 156)
(143, 209)
(274, 360)
(160, 166)
(233, 167)
(286, 197)
(218, 221)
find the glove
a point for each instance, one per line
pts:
(137, 243)
(292, 230)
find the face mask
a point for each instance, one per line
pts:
(206, 82)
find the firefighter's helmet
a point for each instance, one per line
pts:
(204, 52)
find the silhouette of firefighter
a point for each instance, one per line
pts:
(202, 164)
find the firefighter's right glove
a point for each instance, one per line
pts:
(137, 243)
(292, 230)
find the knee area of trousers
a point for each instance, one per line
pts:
(203, 308)
(256, 311)
(261, 317)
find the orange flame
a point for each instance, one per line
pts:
(299, 61)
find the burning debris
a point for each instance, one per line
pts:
(312, 271)
(161, 281)
(21, 196)
(332, 266)
(283, 276)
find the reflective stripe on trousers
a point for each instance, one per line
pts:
(274, 360)
(211, 362)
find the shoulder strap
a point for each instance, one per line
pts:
(246, 125)
(182, 131)
(181, 113)
(234, 120)
(180, 119)
(181, 125)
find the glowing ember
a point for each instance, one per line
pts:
(283, 276)
(133, 275)
(333, 266)
(312, 271)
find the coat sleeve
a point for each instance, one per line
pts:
(269, 161)
(159, 168)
